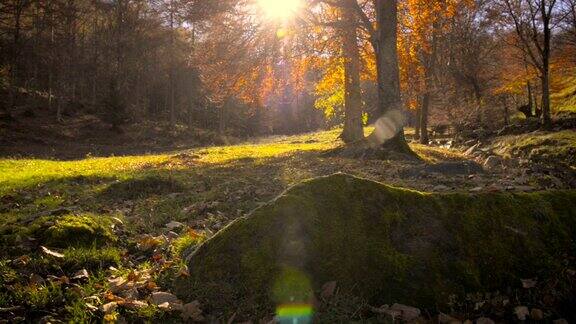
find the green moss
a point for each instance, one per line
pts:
(383, 244)
(91, 258)
(73, 230)
(185, 242)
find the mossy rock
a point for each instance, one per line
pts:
(73, 230)
(382, 244)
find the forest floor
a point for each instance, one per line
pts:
(100, 237)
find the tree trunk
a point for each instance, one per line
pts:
(390, 102)
(417, 126)
(530, 102)
(353, 128)
(171, 68)
(506, 111)
(546, 114)
(424, 138)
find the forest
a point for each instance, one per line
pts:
(288, 161)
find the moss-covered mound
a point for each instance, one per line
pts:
(380, 243)
(73, 230)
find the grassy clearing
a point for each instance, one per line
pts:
(120, 206)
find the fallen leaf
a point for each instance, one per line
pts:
(111, 318)
(22, 260)
(194, 234)
(47, 251)
(529, 283)
(81, 274)
(119, 284)
(148, 242)
(183, 272)
(166, 301)
(328, 290)
(94, 298)
(521, 312)
(109, 307)
(91, 307)
(192, 311)
(134, 304)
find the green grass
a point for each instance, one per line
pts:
(71, 206)
(557, 147)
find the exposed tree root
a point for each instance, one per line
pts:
(369, 149)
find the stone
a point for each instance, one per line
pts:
(493, 162)
(447, 319)
(407, 313)
(536, 314)
(441, 188)
(484, 320)
(367, 235)
(521, 312)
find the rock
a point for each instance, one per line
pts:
(192, 311)
(441, 188)
(536, 314)
(560, 321)
(174, 225)
(521, 312)
(326, 228)
(166, 300)
(447, 319)
(407, 313)
(493, 162)
(484, 320)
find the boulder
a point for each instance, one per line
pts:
(386, 245)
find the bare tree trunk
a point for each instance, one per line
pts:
(353, 128)
(417, 121)
(546, 113)
(530, 102)
(424, 137)
(389, 74)
(171, 68)
(506, 111)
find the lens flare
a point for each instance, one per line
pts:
(280, 9)
(294, 314)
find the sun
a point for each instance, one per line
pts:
(280, 9)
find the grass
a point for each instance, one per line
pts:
(113, 201)
(558, 147)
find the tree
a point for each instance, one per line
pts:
(532, 20)
(353, 125)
